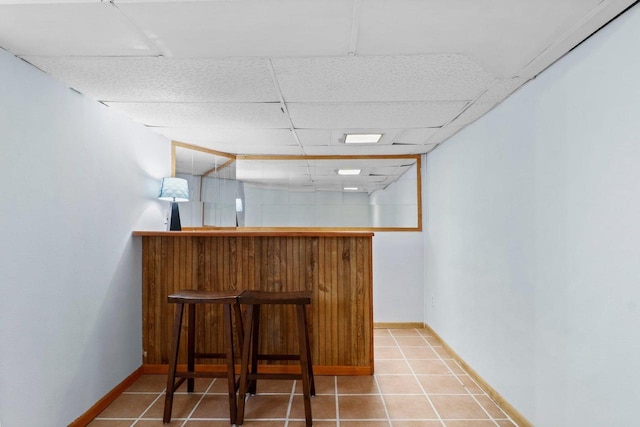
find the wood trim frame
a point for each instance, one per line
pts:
(107, 399)
(512, 412)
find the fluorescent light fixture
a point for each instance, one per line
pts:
(362, 138)
(350, 188)
(349, 171)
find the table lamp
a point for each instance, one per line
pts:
(174, 190)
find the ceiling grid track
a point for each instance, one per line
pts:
(153, 46)
(355, 27)
(285, 111)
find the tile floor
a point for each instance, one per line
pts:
(416, 383)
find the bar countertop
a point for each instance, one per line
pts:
(262, 232)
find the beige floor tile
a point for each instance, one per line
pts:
(274, 386)
(469, 423)
(458, 407)
(432, 340)
(428, 366)
(324, 385)
(128, 406)
(409, 407)
(206, 423)
(111, 423)
(398, 384)
(322, 407)
(404, 332)
(471, 386)
(384, 341)
(149, 383)
(417, 341)
(419, 353)
(441, 384)
(315, 423)
(347, 423)
(159, 423)
(391, 367)
(266, 406)
(381, 333)
(490, 406)
(212, 406)
(387, 353)
(441, 351)
(357, 385)
(421, 423)
(219, 386)
(455, 368)
(182, 406)
(202, 384)
(361, 407)
(505, 423)
(263, 423)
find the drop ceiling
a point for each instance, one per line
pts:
(292, 77)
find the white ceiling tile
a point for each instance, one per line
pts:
(373, 115)
(415, 136)
(496, 32)
(71, 29)
(157, 79)
(246, 28)
(443, 134)
(205, 115)
(258, 138)
(473, 113)
(380, 78)
(500, 89)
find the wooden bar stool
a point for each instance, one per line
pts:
(250, 355)
(192, 298)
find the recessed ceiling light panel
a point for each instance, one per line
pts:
(350, 188)
(362, 138)
(349, 171)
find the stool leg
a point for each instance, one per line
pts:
(244, 364)
(191, 344)
(255, 344)
(305, 362)
(168, 401)
(312, 384)
(231, 373)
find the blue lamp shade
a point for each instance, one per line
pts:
(174, 190)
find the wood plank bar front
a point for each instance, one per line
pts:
(336, 266)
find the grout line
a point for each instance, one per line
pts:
(148, 407)
(384, 403)
(198, 403)
(418, 381)
(291, 394)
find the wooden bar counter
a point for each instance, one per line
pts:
(336, 266)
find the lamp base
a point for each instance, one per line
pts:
(175, 218)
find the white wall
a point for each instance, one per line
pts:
(533, 235)
(77, 179)
(398, 276)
